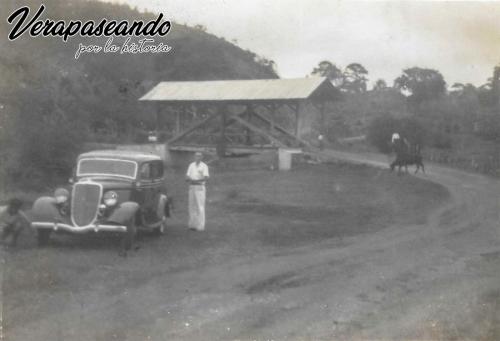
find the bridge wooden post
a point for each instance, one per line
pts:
(248, 117)
(158, 119)
(296, 107)
(271, 118)
(193, 127)
(178, 119)
(221, 143)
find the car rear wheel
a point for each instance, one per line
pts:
(43, 237)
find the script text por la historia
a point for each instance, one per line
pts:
(144, 45)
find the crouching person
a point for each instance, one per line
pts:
(13, 221)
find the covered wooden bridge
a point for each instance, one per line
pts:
(242, 115)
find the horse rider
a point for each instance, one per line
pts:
(399, 144)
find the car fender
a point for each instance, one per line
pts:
(45, 209)
(124, 212)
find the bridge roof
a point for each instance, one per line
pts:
(258, 90)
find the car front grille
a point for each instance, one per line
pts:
(85, 203)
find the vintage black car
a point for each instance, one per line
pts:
(111, 190)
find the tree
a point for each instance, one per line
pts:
(464, 91)
(489, 93)
(457, 88)
(327, 69)
(380, 84)
(495, 85)
(200, 27)
(420, 85)
(46, 137)
(267, 63)
(355, 78)
(465, 101)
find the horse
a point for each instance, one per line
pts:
(406, 155)
(408, 159)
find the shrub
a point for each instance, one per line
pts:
(441, 141)
(489, 128)
(380, 131)
(43, 151)
(411, 129)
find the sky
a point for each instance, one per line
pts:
(460, 39)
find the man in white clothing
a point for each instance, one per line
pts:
(196, 176)
(395, 138)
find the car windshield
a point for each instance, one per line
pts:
(123, 168)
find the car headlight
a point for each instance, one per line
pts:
(61, 195)
(110, 198)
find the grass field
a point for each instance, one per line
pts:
(308, 204)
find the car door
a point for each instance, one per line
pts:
(151, 187)
(144, 190)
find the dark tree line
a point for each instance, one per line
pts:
(418, 85)
(417, 103)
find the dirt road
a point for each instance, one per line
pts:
(440, 280)
(435, 278)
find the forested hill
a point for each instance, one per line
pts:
(50, 102)
(196, 55)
